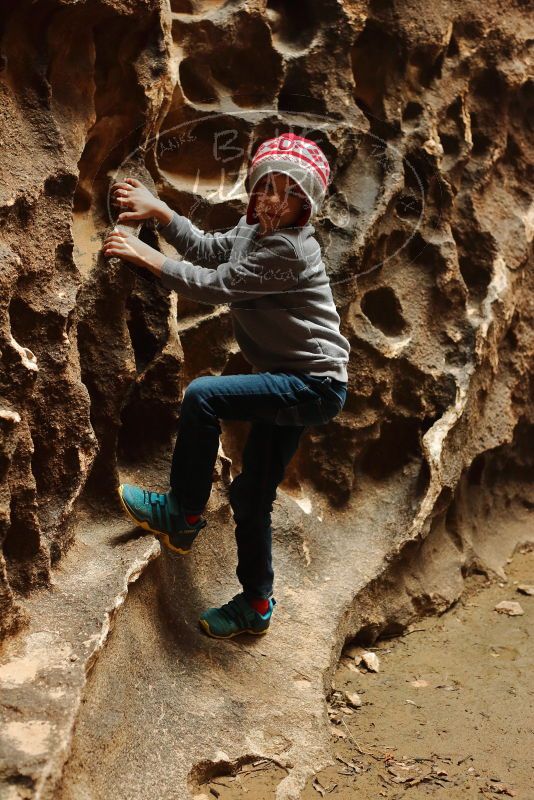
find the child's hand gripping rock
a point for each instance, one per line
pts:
(128, 247)
(140, 202)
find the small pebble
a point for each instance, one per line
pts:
(510, 607)
(371, 661)
(353, 699)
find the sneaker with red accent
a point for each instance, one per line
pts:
(236, 616)
(162, 515)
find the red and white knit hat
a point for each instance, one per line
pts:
(301, 159)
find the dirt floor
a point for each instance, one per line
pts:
(450, 713)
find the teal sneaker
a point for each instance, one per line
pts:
(236, 616)
(162, 515)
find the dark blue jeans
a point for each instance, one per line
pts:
(279, 405)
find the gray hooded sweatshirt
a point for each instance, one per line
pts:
(283, 313)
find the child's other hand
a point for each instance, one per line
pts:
(128, 247)
(132, 195)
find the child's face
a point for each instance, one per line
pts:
(279, 200)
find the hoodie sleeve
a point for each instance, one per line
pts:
(271, 268)
(193, 243)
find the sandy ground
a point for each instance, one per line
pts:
(450, 713)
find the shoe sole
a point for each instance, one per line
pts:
(205, 626)
(163, 537)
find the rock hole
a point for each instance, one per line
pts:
(394, 242)
(489, 85)
(151, 404)
(521, 107)
(407, 393)
(181, 6)
(450, 144)
(382, 307)
(144, 340)
(510, 335)
(451, 522)
(21, 548)
(291, 28)
(476, 254)
(452, 48)
(366, 636)
(468, 29)
(476, 276)
(443, 501)
(481, 143)
(375, 398)
(252, 72)
(416, 168)
(427, 63)
(379, 6)
(62, 184)
(149, 419)
(512, 153)
(22, 320)
(423, 480)
(207, 772)
(412, 110)
(425, 254)
(408, 206)
(198, 156)
(391, 630)
(195, 6)
(454, 110)
(396, 446)
(195, 79)
(82, 199)
(475, 470)
(297, 95)
(488, 102)
(375, 60)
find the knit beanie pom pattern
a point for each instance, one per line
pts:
(302, 159)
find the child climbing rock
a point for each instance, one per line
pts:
(268, 269)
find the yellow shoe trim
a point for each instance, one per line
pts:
(205, 624)
(163, 537)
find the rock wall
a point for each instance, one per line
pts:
(425, 124)
(424, 110)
